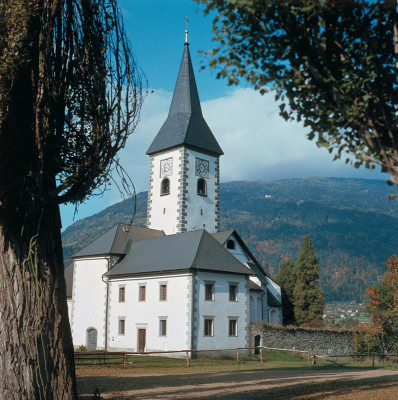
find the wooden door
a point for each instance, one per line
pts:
(141, 340)
(92, 339)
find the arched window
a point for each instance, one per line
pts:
(231, 244)
(202, 190)
(165, 187)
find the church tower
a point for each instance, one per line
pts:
(184, 178)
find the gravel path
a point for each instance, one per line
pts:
(243, 385)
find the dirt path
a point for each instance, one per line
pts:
(232, 385)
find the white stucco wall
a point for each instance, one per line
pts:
(147, 314)
(163, 210)
(256, 312)
(201, 210)
(163, 214)
(88, 300)
(221, 309)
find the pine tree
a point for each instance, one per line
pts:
(308, 297)
(286, 278)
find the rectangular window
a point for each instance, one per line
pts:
(122, 326)
(209, 291)
(233, 292)
(142, 293)
(233, 327)
(163, 292)
(162, 327)
(122, 294)
(209, 327)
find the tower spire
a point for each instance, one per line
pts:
(185, 124)
(186, 29)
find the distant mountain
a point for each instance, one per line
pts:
(352, 224)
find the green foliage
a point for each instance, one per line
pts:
(331, 63)
(308, 297)
(366, 341)
(382, 304)
(286, 278)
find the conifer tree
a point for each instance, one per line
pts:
(286, 278)
(308, 297)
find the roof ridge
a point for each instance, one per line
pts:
(193, 265)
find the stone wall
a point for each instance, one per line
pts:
(322, 342)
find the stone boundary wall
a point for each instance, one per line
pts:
(323, 342)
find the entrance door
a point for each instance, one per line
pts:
(91, 339)
(257, 341)
(141, 340)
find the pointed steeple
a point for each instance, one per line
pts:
(185, 124)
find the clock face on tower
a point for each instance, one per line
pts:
(166, 167)
(202, 168)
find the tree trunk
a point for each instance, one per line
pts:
(36, 351)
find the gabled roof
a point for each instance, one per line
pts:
(185, 124)
(183, 251)
(223, 236)
(114, 240)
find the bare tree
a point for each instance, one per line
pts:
(70, 94)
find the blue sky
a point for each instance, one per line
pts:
(258, 144)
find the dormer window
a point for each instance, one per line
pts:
(230, 244)
(165, 187)
(202, 189)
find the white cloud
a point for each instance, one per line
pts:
(259, 144)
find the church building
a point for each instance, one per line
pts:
(180, 283)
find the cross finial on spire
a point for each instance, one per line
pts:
(186, 29)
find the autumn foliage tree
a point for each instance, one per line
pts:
(70, 94)
(333, 65)
(308, 297)
(382, 305)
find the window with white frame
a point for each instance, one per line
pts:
(142, 293)
(122, 326)
(163, 292)
(209, 291)
(233, 326)
(122, 294)
(233, 292)
(162, 327)
(208, 326)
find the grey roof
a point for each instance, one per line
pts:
(114, 240)
(183, 251)
(68, 274)
(254, 286)
(185, 124)
(272, 301)
(222, 236)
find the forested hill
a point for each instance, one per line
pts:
(352, 224)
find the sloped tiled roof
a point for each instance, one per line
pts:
(115, 240)
(222, 236)
(185, 124)
(272, 301)
(254, 286)
(183, 251)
